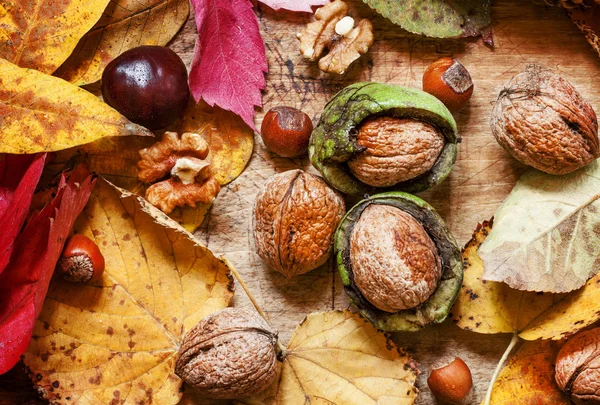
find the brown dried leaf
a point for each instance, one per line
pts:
(588, 21)
(125, 24)
(116, 339)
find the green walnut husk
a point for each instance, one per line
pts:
(436, 308)
(333, 142)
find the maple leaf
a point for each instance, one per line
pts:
(294, 5)
(229, 60)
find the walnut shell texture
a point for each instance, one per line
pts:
(578, 367)
(396, 150)
(543, 122)
(229, 354)
(396, 265)
(295, 216)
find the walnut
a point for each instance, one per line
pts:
(542, 121)
(396, 150)
(335, 31)
(229, 354)
(396, 265)
(183, 158)
(295, 216)
(578, 367)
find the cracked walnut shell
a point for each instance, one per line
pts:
(229, 354)
(578, 367)
(295, 216)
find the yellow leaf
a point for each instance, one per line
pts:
(528, 378)
(339, 358)
(125, 24)
(491, 307)
(116, 339)
(42, 113)
(41, 34)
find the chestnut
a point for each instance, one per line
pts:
(148, 85)
(81, 260)
(449, 81)
(286, 131)
(451, 381)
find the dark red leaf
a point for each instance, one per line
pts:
(24, 283)
(19, 175)
(229, 59)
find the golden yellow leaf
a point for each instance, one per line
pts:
(116, 339)
(42, 113)
(125, 24)
(337, 357)
(528, 378)
(490, 307)
(41, 34)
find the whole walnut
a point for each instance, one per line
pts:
(295, 216)
(396, 265)
(229, 354)
(396, 150)
(578, 367)
(542, 121)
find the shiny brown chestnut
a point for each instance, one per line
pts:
(148, 85)
(286, 131)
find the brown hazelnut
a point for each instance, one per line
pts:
(294, 218)
(81, 260)
(229, 354)
(449, 81)
(450, 381)
(395, 150)
(286, 131)
(578, 367)
(543, 122)
(396, 265)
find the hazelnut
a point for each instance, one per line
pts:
(229, 354)
(294, 218)
(450, 381)
(543, 122)
(286, 131)
(396, 265)
(449, 81)
(81, 260)
(395, 150)
(578, 367)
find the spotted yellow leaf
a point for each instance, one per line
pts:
(115, 340)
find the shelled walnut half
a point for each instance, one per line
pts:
(178, 168)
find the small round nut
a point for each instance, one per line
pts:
(81, 260)
(543, 122)
(294, 218)
(286, 131)
(229, 354)
(450, 381)
(396, 265)
(449, 81)
(578, 367)
(396, 150)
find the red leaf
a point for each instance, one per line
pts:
(19, 175)
(294, 5)
(229, 59)
(24, 283)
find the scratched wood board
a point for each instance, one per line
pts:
(484, 174)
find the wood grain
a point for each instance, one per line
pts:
(524, 33)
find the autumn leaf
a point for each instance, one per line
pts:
(588, 20)
(545, 236)
(16, 192)
(42, 113)
(491, 307)
(125, 24)
(229, 58)
(528, 378)
(117, 339)
(24, 282)
(41, 34)
(294, 5)
(439, 18)
(339, 358)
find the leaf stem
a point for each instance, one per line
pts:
(509, 349)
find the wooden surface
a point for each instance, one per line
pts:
(484, 174)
